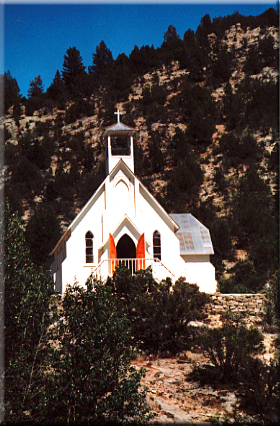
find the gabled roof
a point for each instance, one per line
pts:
(120, 127)
(193, 236)
(126, 219)
(79, 216)
(101, 188)
(118, 165)
(149, 195)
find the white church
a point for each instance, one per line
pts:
(123, 223)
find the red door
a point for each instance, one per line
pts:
(113, 253)
(140, 253)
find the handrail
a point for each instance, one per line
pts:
(132, 261)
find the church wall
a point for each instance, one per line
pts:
(201, 273)
(75, 264)
(150, 221)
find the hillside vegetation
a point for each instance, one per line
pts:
(205, 110)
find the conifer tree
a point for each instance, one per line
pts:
(12, 91)
(56, 89)
(36, 87)
(72, 66)
(102, 60)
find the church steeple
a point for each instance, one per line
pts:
(119, 144)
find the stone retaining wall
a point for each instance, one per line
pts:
(251, 304)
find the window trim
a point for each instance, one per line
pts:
(157, 245)
(89, 258)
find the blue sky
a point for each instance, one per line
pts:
(37, 36)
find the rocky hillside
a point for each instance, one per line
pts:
(206, 142)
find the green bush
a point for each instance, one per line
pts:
(220, 180)
(185, 178)
(152, 103)
(260, 394)
(27, 173)
(80, 108)
(28, 291)
(156, 157)
(229, 348)
(272, 301)
(244, 148)
(245, 278)
(89, 377)
(159, 312)
(34, 103)
(39, 238)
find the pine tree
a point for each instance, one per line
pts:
(102, 60)
(56, 89)
(36, 87)
(72, 66)
(12, 91)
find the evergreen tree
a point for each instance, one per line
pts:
(36, 87)
(172, 48)
(171, 35)
(135, 60)
(72, 67)
(102, 60)
(255, 227)
(11, 91)
(189, 39)
(205, 27)
(28, 290)
(56, 89)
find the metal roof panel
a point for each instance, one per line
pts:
(193, 236)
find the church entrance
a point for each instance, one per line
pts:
(126, 250)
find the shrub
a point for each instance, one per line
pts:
(28, 291)
(80, 108)
(272, 314)
(186, 177)
(34, 103)
(244, 148)
(156, 156)
(245, 278)
(229, 348)
(28, 173)
(220, 180)
(42, 232)
(159, 312)
(261, 389)
(89, 377)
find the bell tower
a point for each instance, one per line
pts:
(119, 145)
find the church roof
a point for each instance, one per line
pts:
(118, 127)
(90, 202)
(193, 236)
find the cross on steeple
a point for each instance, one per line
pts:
(118, 114)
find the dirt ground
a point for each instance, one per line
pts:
(176, 399)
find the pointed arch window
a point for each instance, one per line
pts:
(157, 245)
(89, 247)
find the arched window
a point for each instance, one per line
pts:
(157, 245)
(89, 247)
